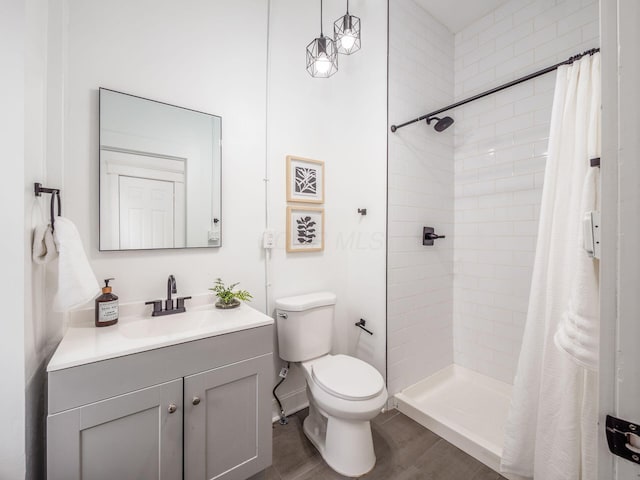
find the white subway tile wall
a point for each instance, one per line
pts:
(420, 279)
(500, 154)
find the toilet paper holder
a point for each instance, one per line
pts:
(362, 324)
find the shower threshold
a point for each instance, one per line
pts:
(465, 408)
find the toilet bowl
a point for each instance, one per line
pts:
(344, 393)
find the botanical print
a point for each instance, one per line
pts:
(306, 230)
(306, 180)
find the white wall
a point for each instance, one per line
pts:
(24, 346)
(190, 54)
(420, 294)
(40, 327)
(12, 246)
(500, 153)
(181, 53)
(340, 120)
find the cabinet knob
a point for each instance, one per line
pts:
(172, 408)
(196, 400)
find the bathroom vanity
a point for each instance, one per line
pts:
(185, 396)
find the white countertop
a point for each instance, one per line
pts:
(84, 343)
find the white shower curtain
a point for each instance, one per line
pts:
(552, 424)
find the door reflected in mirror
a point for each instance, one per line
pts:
(160, 175)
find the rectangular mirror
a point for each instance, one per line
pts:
(160, 175)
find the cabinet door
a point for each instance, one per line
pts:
(133, 436)
(228, 421)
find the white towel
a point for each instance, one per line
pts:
(578, 334)
(44, 247)
(77, 283)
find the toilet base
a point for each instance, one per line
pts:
(346, 446)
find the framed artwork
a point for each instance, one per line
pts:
(305, 229)
(305, 180)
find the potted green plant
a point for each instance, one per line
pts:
(227, 298)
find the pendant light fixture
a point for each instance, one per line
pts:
(346, 33)
(322, 55)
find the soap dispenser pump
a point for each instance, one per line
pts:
(106, 306)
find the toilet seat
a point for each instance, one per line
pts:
(347, 377)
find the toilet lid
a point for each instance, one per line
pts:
(347, 377)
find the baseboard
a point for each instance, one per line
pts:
(292, 402)
(392, 403)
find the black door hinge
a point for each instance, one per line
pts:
(623, 438)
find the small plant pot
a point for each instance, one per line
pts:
(235, 303)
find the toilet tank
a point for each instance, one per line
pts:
(305, 326)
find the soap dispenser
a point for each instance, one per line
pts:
(106, 306)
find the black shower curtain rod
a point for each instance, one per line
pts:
(568, 61)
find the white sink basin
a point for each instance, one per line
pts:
(169, 324)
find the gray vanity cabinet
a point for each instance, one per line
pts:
(199, 410)
(136, 435)
(224, 436)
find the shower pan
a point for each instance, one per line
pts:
(464, 407)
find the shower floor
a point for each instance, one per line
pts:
(464, 407)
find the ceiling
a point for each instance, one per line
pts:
(457, 14)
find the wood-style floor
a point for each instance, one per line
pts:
(404, 449)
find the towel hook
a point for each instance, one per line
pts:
(53, 217)
(55, 193)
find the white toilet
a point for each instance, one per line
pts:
(344, 392)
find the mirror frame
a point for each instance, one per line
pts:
(219, 217)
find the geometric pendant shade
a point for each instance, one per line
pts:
(346, 33)
(322, 55)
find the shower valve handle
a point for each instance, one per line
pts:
(429, 235)
(433, 236)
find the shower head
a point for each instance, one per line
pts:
(441, 124)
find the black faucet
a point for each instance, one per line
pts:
(171, 288)
(168, 304)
